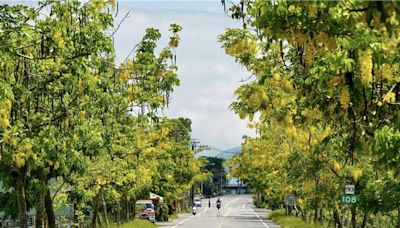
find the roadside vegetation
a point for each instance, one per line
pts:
(324, 99)
(285, 221)
(135, 224)
(81, 136)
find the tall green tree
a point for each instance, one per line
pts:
(325, 79)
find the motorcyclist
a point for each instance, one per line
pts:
(194, 209)
(218, 203)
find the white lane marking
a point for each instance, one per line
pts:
(182, 221)
(185, 220)
(244, 206)
(260, 219)
(227, 213)
(232, 201)
(223, 220)
(205, 209)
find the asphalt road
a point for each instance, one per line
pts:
(237, 211)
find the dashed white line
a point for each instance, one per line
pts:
(223, 220)
(232, 201)
(260, 219)
(182, 221)
(227, 213)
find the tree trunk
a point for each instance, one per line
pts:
(40, 205)
(321, 215)
(126, 208)
(123, 206)
(353, 217)
(118, 214)
(22, 210)
(40, 211)
(303, 215)
(315, 214)
(336, 216)
(51, 218)
(297, 210)
(365, 219)
(104, 209)
(134, 209)
(95, 210)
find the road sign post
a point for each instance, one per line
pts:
(349, 198)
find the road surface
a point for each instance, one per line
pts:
(237, 211)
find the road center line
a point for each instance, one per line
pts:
(260, 219)
(223, 220)
(232, 201)
(186, 219)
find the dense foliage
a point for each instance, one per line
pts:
(324, 98)
(76, 129)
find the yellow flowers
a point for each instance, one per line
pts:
(174, 42)
(365, 62)
(23, 153)
(345, 97)
(336, 166)
(123, 75)
(4, 123)
(19, 161)
(244, 46)
(357, 173)
(291, 131)
(133, 92)
(58, 39)
(65, 123)
(312, 11)
(390, 97)
(276, 76)
(5, 107)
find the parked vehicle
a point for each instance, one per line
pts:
(144, 209)
(197, 201)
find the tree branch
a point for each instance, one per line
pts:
(119, 25)
(58, 190)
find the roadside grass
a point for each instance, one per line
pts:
(173, 217)
(134, 224)
(285, 221)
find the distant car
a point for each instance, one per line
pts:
(197, 201)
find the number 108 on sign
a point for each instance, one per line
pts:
(346, 199)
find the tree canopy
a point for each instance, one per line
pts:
(324, 99)
(78, 129)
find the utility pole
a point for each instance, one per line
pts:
(220, 189)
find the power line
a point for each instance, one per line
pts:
(222, 151)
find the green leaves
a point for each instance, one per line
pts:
(387, 146)
(323, 87)
(66, 116)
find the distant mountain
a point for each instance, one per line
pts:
(225, 154)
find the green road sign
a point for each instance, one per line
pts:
(348, 199)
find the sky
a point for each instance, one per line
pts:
(208, 76)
